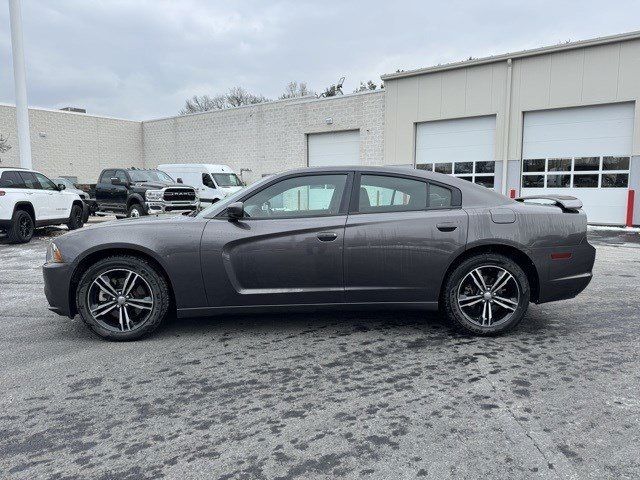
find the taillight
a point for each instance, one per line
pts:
(561, 256)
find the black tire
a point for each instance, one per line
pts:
(135, 210)
(76, 218)
(463, 320)
(21, 228)
(154, 280)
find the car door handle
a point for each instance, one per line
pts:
(327, 236)
(446, 226)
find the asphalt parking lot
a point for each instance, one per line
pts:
(347, 395)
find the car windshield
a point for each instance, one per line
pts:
(149, 176)
(227, 179)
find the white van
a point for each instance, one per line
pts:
(212, 182)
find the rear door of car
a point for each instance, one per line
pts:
(39, 198)
(401, 234)
(287, 250)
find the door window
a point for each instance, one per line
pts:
(439, 196)
(379, 193)
(30, 180)
(45, 183)
(207, 181)
(312, 195)
(106, 176)
(121, 176)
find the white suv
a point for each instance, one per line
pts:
(28, 200)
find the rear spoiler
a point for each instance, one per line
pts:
(565, 202)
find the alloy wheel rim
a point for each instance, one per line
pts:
(488, 296)
(120, 300)
(25, 227)
(134, 213)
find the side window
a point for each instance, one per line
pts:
(106, 176)
(11, 180)
(439, 196)
(207, 181)
(379, 193)
(30, 180)
(121, 175)
(45, 183)
(312, 195)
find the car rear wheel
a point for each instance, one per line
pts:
(122, 298)
(76, 219)
(21, 228)
(486, 294)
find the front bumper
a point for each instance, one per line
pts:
(57, 280)
(154, 207)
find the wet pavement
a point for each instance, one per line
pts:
(327, 395)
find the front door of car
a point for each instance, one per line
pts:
(103, 189)
(120, 193)
(286, 250)
(58, 203)
(400, 237)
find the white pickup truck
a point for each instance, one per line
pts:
(28, 199)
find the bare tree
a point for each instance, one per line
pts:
(366, 87)
(4, 144)
(333, 89)
(236, 97)
(295, 89)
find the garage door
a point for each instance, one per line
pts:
(461, 147)
(583, 152)
(334, 148)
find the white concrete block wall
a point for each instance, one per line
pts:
(266, 138)
(65, 143)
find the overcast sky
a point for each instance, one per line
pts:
(140, 59)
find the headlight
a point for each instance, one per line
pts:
(153, 194)
(53, 254)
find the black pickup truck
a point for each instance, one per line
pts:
(134, 192)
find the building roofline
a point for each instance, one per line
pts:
(66, 112)
(288, 101)
(591, 42)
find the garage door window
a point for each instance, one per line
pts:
(482, 173)
(577, 172)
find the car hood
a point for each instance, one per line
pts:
(159, 185)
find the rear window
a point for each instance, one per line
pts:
(11, 180)
(379, 193)
(30, 180)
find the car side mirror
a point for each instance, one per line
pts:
(179, 180)
(61, 186)
(235, 210)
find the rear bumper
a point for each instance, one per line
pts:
(565, 278)
(57, 279)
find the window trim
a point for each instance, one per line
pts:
(342, 209)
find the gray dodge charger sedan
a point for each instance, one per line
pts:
(328, 238)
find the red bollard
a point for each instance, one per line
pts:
(630, 199)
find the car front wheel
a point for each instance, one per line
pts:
(486, 294)
(122, 297)
(135, 211)
(76, 219)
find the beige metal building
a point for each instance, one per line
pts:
(561, 119)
